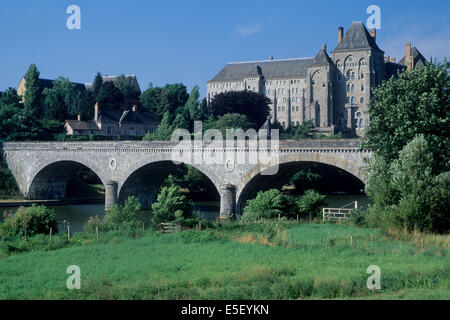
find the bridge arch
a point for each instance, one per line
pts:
(146, 177)
(331, 160)
(51, 180)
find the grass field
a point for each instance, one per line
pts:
(288, 261)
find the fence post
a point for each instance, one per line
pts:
(351, 240)
(68, 230)
(422, 243)
(51, 230)
(96, 231)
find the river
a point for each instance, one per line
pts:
(78, 214)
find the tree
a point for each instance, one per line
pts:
(418, 102)
(127, 87)
(97, 84)
(310, 204)
(229, 121)
(10, 97)
(406, 193)
(61, 100)
(171, 205)
(110, 97)
(33, 91)
(151, 100)
(16, 122)
(254, 105)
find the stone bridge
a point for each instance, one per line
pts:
(43, 169)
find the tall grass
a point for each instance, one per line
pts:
(265, 260)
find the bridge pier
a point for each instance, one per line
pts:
(228, 202)
(110, 194)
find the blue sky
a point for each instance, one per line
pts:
(190, 41)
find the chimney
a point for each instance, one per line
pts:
(387, 59)
(270, 58)
(79, 117)
(393, 60)
(373, 33)
(134, 109)
(324, 47)
(408, 50)
(340, 34)
(408, 59)
(96, 112)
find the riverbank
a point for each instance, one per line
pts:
(259, 261)
(9, 203)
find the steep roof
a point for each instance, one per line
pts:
(82, 125)
(141, 117)
(114, 79)
(283, 68)
(419, 59)
(392, 68)
(322, 59)
(47, 83)
(357, 38)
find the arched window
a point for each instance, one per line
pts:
(362, 88)
(353, 88)
(362, 75)
(284, 124)
(353, 75)
(361, 123)
(361, 100)
(353, 100)
(348, 87)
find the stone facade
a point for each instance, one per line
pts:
(333, 91)
(43, 169)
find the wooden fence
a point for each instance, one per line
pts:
(169, 227)
(338, 213)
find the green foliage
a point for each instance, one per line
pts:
(128, 216)
(10, 97)
(171, 205)
(8, 185)
(35, 220)
(110, 97)
(251, 104)
(269, 204)
(97, 84)
(417, 102)
(306, 130)
(33, 91)
(229, 121)
(406, 193)
(127, 87)
(272, 204)
(310, 204)
(305, 179)
(18, 123)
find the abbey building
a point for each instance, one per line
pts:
(332, 90)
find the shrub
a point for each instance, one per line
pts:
(35, 220)
(310, 204)
(93, 223)
(171, 205)
(127, 216)
(269, 204)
